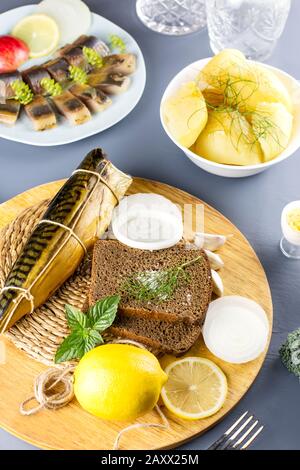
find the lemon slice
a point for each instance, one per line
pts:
(196, 388)
(39, 32)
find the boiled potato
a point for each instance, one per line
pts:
(185, 114)
(261, 85)
(219, 72)
(242, 83)
(228, 138)
(222, 65)
(272, 125)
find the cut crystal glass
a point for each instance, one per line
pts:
(252, 26)
(174, 17)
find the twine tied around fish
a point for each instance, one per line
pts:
(54, 389)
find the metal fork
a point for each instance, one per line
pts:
(232, 440)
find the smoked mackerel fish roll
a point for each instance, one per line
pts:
(83, 210)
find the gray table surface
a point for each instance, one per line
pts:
(138, 145)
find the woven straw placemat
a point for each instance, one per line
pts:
(40, 333)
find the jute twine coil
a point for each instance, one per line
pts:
(40, 333)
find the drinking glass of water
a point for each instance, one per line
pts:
(174, 17)
(252, 26)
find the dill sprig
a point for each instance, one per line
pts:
(51, 86)
(157, 285)
(92, 57)
(77, 74)
(264, 127)
(224, 95)
(22, 92)
(117, 43)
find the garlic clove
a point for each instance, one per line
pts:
(218, 287)
(215, 260)
(209, 241)
(108, 235)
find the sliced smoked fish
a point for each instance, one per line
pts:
(94, 43)
(120, 63)
(74, 56)
(58, 69)
(52, 254)
(110, 83)
(71, 108)
(40, 113)
(9, 112)
(33, 77)
(93, 98)
(6, 79)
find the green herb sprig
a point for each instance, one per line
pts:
(157, 285)
(23, 93)
(86, 328)
(224, 95)
(51, 86)
(77, 74)
(117, 43)
(92, 57)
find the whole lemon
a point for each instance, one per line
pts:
(118, 382)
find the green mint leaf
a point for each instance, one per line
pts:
(102, 315)
(73, 347)
(91, 340)
(76, 319)
(85, 329)
(77, 344)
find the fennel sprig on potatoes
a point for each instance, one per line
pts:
(243, 115)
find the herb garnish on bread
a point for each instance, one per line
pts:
(114, 264)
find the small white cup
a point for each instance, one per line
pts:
(290, 242)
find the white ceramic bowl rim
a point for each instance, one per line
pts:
(259, 166)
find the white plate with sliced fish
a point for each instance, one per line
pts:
(64, 132)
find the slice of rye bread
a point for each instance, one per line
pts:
(159, 336)
(114, 262)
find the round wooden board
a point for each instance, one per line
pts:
(73, 428)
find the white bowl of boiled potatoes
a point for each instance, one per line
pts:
(233, 117)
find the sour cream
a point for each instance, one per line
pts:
(147, 221)
(290, 221)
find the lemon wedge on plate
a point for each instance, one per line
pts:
(196, 388)
(39, 32)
